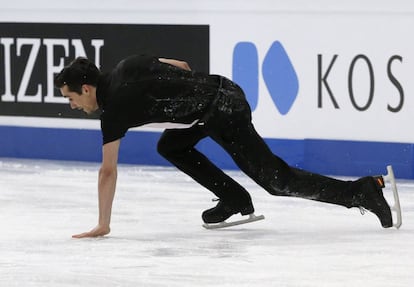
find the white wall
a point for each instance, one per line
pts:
(379, 30)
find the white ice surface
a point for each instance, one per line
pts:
(157, 238)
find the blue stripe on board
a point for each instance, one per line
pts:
(349, 158)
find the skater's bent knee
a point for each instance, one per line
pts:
(278, 192)
(163, 149)
(277, 189)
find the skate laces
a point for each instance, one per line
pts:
(362, 210)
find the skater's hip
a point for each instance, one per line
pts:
(229, 103)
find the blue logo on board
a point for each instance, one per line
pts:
(278, 74)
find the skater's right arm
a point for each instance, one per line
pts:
(106, 189)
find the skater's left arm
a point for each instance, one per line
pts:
(180, 64)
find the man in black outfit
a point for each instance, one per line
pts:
(145, 89)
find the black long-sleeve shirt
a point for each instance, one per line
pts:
(142, 90)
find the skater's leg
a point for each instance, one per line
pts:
(254, 157)
(177, 146)
(230, 125)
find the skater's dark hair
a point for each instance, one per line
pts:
(79, 72)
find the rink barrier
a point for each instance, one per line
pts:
(331, 157)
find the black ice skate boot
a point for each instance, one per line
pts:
(369, 196)
(223, 210)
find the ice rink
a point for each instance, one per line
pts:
(157, 238)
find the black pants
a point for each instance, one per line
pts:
(228, 122)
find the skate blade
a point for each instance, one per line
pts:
(224, 224)
(396, 208)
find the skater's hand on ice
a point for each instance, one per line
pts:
(97, 231)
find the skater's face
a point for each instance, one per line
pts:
(85, 102)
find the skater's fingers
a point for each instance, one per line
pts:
(82, 235)
(97, 231)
